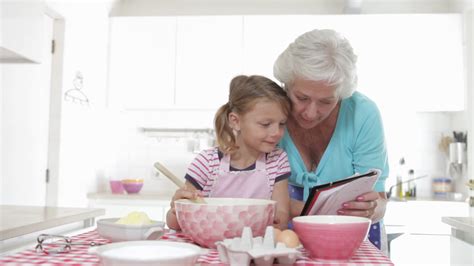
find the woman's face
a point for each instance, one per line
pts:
(313, 101)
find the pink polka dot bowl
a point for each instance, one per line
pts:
(331, 237)
(221, 218)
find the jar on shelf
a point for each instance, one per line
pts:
(442, 186)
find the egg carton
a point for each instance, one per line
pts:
(263, 251)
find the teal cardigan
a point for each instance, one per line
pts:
(357, 145)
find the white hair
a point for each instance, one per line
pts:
(319, 55)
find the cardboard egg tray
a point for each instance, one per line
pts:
(263, 251)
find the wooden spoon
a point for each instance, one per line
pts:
(160, 167)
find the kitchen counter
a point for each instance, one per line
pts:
(455, 198)
(461, 239)
(21, 220)
(125, 196)
(461, 228)
(155, 204)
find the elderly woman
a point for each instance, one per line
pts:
(333, 131)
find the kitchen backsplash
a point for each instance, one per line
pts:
(417, 141)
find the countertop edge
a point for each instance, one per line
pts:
(462, 228)
(138, 196)
(38, 226)
(460, 223)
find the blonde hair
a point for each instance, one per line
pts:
(244, 93)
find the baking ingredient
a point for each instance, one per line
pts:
(135, 218)
(289, 238)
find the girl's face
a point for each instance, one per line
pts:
(312, 102)
(261, 128)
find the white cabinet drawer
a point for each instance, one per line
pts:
(423, 217)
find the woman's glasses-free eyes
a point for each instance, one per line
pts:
(52, 244)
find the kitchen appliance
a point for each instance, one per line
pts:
(52, 244)
(457, 166)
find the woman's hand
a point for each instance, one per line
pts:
(370, 205)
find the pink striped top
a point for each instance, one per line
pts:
(205, 166)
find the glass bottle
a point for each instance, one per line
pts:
(401, 166)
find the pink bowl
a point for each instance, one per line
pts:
(221, 218)
(132, 187)
(116, 186)
(331, 237)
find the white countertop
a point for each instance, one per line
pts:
(449, 198)
(462, 228)
(137, 196)
(461, 223)
(21, 220)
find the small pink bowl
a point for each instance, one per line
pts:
(331, 237)
(132, 186)
(116, 186)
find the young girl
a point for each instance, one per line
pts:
(246, 163)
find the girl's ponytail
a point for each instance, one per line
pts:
(224, 134)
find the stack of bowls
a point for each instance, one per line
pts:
(132, 186)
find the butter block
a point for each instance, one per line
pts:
(135, 218)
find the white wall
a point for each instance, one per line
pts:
(85, 138)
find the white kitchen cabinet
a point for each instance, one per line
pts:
(187, 62)
(401, 58)
(414, 249)
(21, 31)
(410, 62)
(173, 62)
(461, 240)
(208, 55)
(433, 61)
(142, 62)
(423, 216)
(424, 238)
(265, 37)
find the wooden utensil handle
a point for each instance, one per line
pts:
(169, 174)
(175, 179)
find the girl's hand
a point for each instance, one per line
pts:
(184, 193)
(363, 206)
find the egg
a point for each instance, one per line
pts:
(289, 238)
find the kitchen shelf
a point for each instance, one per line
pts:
(176, 132)
(137, 196)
